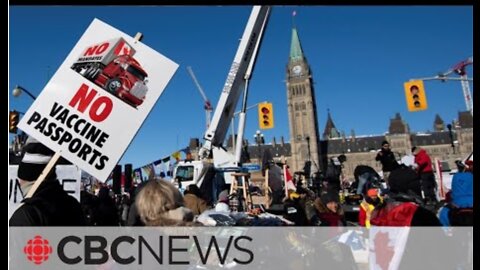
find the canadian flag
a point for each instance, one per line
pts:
(386, 247)
(289, 185)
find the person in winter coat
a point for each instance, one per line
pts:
(50, 205)
(192, 198)
(459, 211)
(370, 201)
(329, 210)
(106, 212)
(403, 205)
(387, 158)
(159, 203)
(424, 248)
(425, 171)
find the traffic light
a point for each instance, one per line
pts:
(265, 115)
(13, 119)
(415, 95)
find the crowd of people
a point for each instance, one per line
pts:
(407, 198)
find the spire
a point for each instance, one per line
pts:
(330, 129)
(296, 52)
(438, 124)
(397, 125)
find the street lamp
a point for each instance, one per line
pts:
(449, 127)
(17, 91)
(259, 140)
(259, 137)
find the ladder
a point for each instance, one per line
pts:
(242, 181)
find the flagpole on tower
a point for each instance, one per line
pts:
(294, 13)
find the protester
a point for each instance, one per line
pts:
(459, 209)
(106, 212)
(159, 203)
(387, 158)
(329, 210)
(50, 205)
(333, 173)
(88, 203)
(364, 175)
(192, 198)
(275, 183)
(133, 218)
(403, 205)
(425, 171)
(370, 201)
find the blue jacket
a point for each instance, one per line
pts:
(462, 195)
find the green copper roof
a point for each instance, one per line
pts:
(296, 52)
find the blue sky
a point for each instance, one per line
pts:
(360, 57)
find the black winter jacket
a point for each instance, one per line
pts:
(49, 206)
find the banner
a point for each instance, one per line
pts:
(162, 167)
(99, 97)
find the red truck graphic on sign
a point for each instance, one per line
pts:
(110, 65)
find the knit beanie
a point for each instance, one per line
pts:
(330, 197)
(35, 159)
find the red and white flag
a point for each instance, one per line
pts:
(289, 185)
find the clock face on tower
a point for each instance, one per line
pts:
(297, 69)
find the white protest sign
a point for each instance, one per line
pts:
(99, 97)
(69, 177)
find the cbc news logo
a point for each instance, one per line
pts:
(37, 250)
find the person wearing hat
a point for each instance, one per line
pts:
(370, 201)
(387, 158)
(50, 205)
(403, 205)
(329, 210)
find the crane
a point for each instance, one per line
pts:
(460, 70)
(207, 105)
(201, 171)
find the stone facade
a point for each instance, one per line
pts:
(447, 145)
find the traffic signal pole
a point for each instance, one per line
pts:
(464, 80)
(459, 69)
